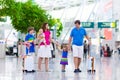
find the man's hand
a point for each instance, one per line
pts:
(69, 47)
(69, 43)
(89, 39)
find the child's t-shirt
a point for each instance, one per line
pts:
(64, 54)
(30, 38)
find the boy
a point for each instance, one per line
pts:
(28, 63)
(29, 39)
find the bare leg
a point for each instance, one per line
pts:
(63, 67)
(39, 63)
(76, 62)
(79, 62)
(46, 64)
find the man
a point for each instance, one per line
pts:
(76, 37)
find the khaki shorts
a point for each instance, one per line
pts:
(77, 51)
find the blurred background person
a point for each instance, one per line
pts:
(85, 49)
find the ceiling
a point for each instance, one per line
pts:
(60, 4)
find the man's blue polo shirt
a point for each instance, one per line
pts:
(78, 36)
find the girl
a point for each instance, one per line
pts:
(64, 60)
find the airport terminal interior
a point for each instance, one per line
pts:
(101, 51)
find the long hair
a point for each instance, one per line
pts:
(44, 26)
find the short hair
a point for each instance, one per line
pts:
(77, 21)
(106, 44)
(30, 29)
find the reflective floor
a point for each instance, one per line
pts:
(106, 69)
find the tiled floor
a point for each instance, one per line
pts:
(106, 69)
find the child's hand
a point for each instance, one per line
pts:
(22, 56)
(45, 45)
(38, 46)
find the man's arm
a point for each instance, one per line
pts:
(69, 42)
(88, 38)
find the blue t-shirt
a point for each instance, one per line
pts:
(30, 38)
(78, 36)
(64, 54)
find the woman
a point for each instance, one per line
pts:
(44, 50)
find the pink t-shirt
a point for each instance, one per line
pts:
(47, 37)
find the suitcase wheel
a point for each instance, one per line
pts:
(24, 71)
(33, 70)
(28, 71)
(94, 70)
(91, 71)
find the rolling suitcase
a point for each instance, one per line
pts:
(105, 54)
(28, 63)
(91, 64)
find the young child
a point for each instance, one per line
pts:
(29, 41)
(30, 50)
(64, 58)
(41, 37)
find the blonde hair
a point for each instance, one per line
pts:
(39, 31)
